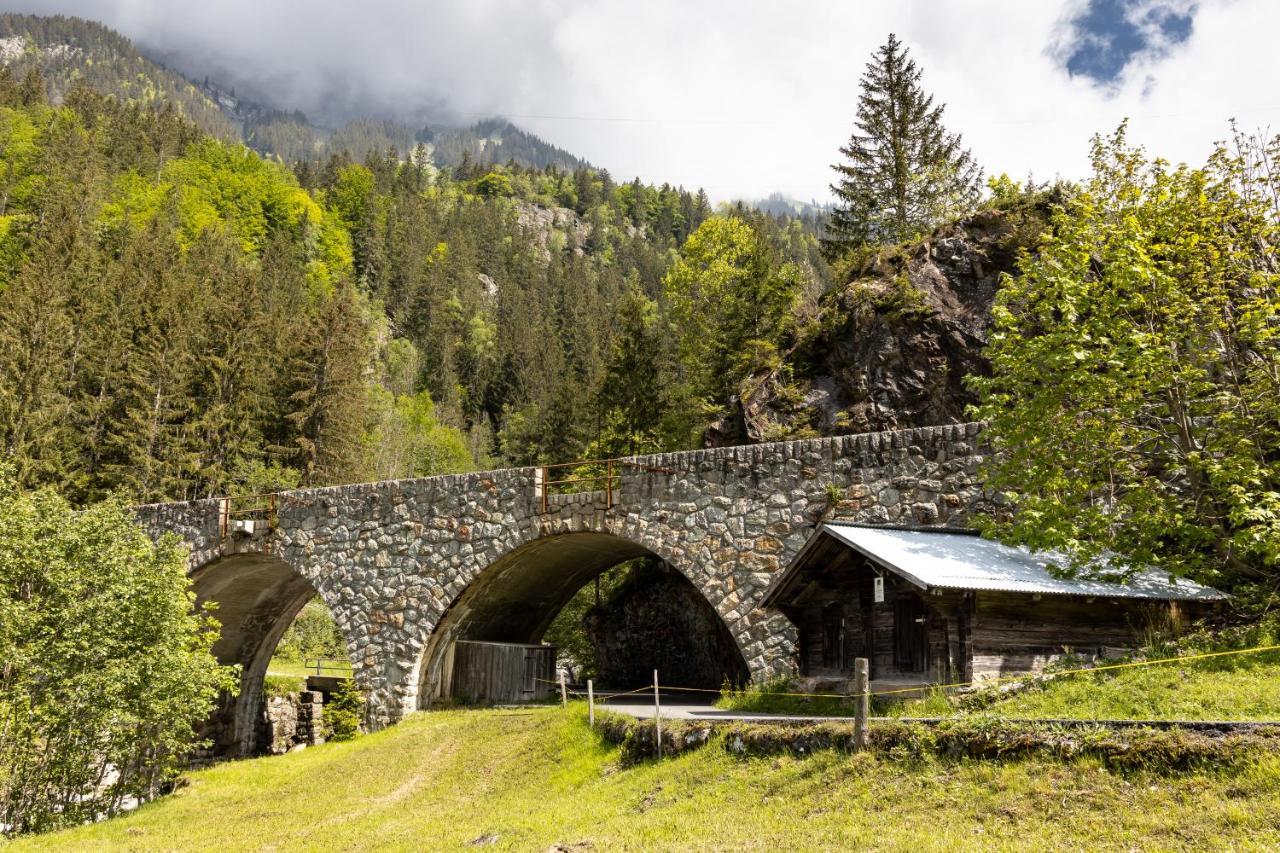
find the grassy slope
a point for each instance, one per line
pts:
(1244, 690)
(1236, 688)
(536, 778)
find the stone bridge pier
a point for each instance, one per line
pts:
(407, 566)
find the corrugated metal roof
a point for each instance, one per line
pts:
(935, 558)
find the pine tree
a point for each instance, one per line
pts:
(330, 400)
(904, 173)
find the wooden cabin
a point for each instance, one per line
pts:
(940, 606)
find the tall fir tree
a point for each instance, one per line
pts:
(903, 174)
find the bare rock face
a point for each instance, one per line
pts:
(659, 620)
(544, 222)
(895, 344)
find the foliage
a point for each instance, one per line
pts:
(904, 174)
(731, 301)
(344, 710)
(276, 686)
(541, 778)
(67, 52)
(105, 669)
(170, 325)
(408, 439)
(633, 395)
(568, 631)
(180, 318)
(312, 634)
(494, 185)
(1135, 388)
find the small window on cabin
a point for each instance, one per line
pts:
(833, 636)
(909, 636)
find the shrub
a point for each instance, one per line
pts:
(282, 685)
(344, 711)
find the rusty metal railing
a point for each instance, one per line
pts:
(609, 482)
(261, 508)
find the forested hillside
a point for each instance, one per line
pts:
(71, 51)
(180, 317)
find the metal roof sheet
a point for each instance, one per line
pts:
(954, 560)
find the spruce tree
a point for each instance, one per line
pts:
(903, 174)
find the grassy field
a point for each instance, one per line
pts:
(529, 780)
(1245, 687)
(299, 669)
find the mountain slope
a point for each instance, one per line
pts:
(68, 51)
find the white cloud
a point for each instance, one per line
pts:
(740, 96)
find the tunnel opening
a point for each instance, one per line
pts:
(649, 616)
(258, 600)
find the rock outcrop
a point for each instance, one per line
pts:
(893, 346)
(657, 619)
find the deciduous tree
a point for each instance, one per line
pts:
(1135, 389)
(105, 664)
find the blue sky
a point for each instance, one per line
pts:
(1107, 36)
(743, 97)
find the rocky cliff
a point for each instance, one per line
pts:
(892, 347)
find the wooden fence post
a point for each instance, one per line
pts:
(862, 702)
(657, 714)
(591, 704)
(564, 692)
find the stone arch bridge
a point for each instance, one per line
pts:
(406, 566)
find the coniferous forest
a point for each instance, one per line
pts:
(185, 318)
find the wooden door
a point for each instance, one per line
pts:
(910, 639)
(833, 636)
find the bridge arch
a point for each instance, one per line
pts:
(515, 598)
(256, 597)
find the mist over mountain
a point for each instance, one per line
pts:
(68, 51)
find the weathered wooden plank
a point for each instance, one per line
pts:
(499, 673)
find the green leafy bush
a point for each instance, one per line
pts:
(283, 685)
(105, 663)
(313, 634)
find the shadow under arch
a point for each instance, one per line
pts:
(516, 597)
(257, 597)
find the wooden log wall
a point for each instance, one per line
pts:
(1015, 633)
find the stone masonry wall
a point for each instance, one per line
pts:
(390, 558)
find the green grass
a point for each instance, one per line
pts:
(772, 698)
(533, 779)
(1244, 687)
(299, 669)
